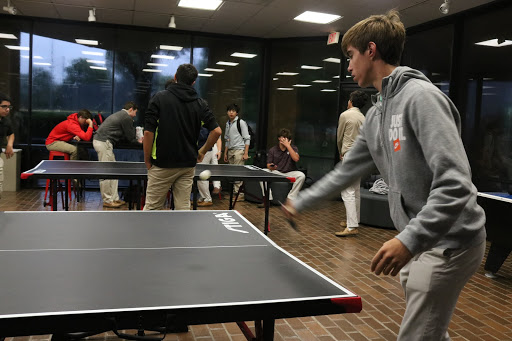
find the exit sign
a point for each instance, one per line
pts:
(334, 38)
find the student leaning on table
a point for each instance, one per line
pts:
(6, 131)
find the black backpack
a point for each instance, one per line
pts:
(251, 133)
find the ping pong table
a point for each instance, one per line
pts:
(91, 272)
(497, 207)
(57, 170)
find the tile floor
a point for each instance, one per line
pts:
(484, 310)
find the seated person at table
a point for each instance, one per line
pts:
(115, 127)
(282, 158)
(70, 129)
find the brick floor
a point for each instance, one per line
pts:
(484, 310)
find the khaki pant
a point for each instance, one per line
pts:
(108, 188)
(1, 176)
(235, 158)
(352, 200)
(159, 182)
(210, 158)
(297, 185)
(64, 147)
(432, 282)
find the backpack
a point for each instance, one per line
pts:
(251, 133)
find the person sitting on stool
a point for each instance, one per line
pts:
(282, 159)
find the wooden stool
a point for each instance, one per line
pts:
(53, 155)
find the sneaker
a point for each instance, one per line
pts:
(343, 224)
(120, 202)
(491, 275)
(111, 205)
(216, 190)
(347, 232)
(204, 203)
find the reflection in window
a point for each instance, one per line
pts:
(303, 98)
(230, 71)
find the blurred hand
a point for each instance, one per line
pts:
(141, 139)
(8, 152)
(148, 164)
(200, 155)
(285, 142)
(218, 155)
(89, 122)
(245, 157)
(392, 256)
(76, 138)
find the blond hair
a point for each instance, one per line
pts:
(386, 31)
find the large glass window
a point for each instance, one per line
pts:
(487, 89)
(303, 99)
(71, 70)
(144, 62)
(430, 52)
(230, 71)
(14, 73)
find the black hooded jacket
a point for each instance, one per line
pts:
(175, 115)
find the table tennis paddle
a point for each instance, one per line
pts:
(292, 223)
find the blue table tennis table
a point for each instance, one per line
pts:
(91, 272)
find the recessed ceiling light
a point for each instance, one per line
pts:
(151, 70)
(157, 64)
(98, 67)
(310, 67)
(332, 60)
(210, 5)
(161, 56)
(92, 53)
(171, 47)
(336, 77)
(348, 76)
(213, 70)
(285, 89)
(7, 36)
(321, 81)
(20, 48)
(243, 55)
(287, 73)
(94, 61)
(302, 85)
(495, 43)
(42, 64)
(328, 90)
(86, 42)
(205, 74)
(274, 79)
(317, 17)
(227, 63)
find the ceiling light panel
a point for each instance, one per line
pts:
(158, 64)
(332, 60)
(302, 85)
(93, 61)
(86, 42)
(7, 36)
(213, 70)
(92, 53)
(287, 73)
(243, 55)
(285, 89)
(161, 56)
(171, 47)
(210, 5)
(494, 43)
(227, 63)
(151, 70)
(19, 48)
(310, 67)
(205, 74)
(321, 81)
(98, 67)
(317, 17)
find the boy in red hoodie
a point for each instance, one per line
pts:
(72, 128)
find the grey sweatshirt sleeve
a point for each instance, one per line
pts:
(436, 125)
(357, 163)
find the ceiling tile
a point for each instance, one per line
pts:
(114, 16)
(36, 9)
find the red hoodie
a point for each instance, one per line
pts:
(66, 130)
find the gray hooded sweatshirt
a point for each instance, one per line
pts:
(412, 136)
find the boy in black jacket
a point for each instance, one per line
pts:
(172, 122)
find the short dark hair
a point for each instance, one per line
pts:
(4, 97)
(186, 74)
(233, 107)
(129, 105)
(284, 133)
(85, 114)
(358, 98)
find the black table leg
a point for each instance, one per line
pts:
(53, 183)
(266, 202)
(66, 194)
(195, 191)
(231, 186)
(130, 198)
(138, 194)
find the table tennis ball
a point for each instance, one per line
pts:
(205, 175)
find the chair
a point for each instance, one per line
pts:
(53, 155)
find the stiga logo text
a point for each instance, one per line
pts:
(229, 222)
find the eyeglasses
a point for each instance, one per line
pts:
(6, 107)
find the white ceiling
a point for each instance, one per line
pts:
(255, 18)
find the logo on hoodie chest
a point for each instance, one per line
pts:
(396, 132)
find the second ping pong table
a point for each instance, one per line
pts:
(91, 272)
(56, 170)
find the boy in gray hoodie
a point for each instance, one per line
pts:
(412, 136)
